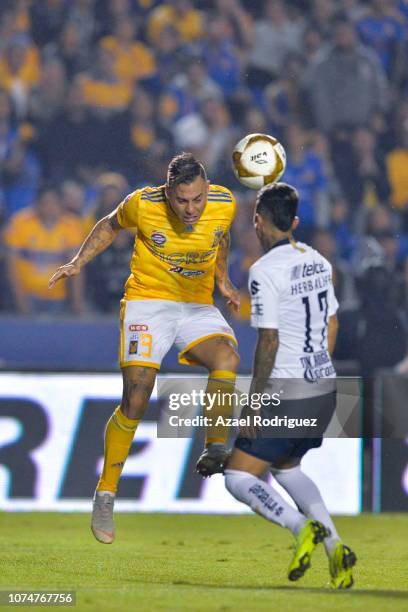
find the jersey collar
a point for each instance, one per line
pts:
(280, 243)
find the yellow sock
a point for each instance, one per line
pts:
(220, 384)
(119, 434)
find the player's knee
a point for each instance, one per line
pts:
(227, 359)
(134, 404)
(233, 482)
(234, 360)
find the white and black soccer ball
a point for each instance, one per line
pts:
(257, 160)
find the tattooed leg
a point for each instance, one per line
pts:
(138, 383)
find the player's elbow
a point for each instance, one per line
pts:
(333, 324)
(332, 331)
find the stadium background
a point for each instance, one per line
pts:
(97, 96)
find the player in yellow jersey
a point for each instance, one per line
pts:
(181, 251)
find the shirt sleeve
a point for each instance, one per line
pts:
(264, 294)
(127, 212)
(233, 210)
(230, 212)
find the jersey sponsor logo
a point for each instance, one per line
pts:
(316, 366)
(135, 327)
(195, 257)
(186, 273)
(158, 238)
(295, 272)
(316, 267)
(254, 287)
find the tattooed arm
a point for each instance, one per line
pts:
(224, 284)
(101, 236)
(265, 355)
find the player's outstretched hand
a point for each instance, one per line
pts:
(69, 269)
(231, 294)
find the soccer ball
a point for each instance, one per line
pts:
(258, 159)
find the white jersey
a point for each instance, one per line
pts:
(292, 291)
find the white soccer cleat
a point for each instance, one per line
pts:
(102, 524)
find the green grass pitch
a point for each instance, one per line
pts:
(197, 562)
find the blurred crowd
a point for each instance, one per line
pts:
(97, 95)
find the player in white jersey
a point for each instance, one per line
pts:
(294, 309)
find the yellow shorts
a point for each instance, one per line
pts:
(149, 328)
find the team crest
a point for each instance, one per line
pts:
(158, 238)
(133, 347)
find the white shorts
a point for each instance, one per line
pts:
(149, 328)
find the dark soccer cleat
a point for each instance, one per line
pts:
(212, 460)
(308, 538)
(341, 564)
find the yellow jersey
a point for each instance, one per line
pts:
(40, 249)
(171, 260)
(115, 95)
(28, 73)
(132, 63)
(189, 25)
(397, 162)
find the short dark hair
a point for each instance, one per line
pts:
(184, 168)
(278, 202)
